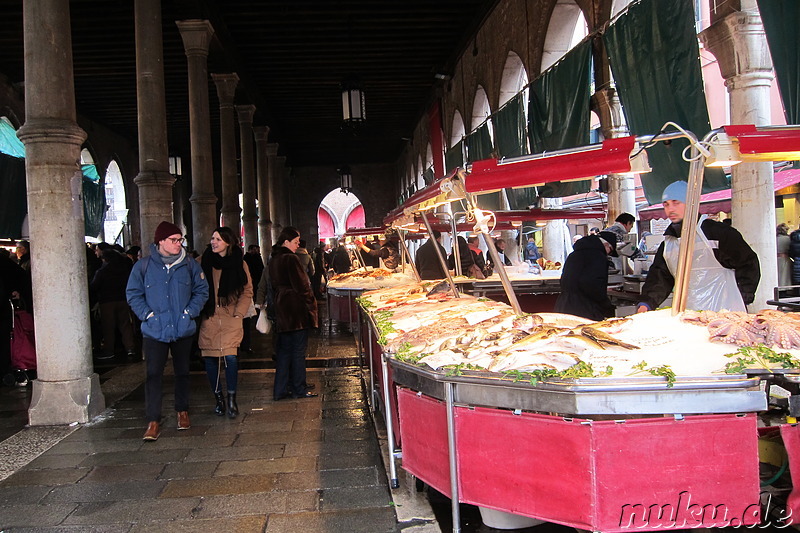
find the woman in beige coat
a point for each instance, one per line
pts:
(230, 296)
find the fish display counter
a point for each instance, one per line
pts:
(586, 424)
(343, 289)
(535, 292)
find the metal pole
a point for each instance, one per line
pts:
(689, 227)
(456, 251)
(406, 253)
(439, 255)
(452, 456)
(371, 396)
(501, 270)
(393, 482)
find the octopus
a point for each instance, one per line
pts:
(698, 317)
(735, 328)
(780, 329)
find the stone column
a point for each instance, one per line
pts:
(196, 35)
(277, 184)
(249, 218)
(286, 196)
(154, 180)
(740, 46)
(273, 191)
(263, 158)
(621, 187)
(226, 90)
(66, 389)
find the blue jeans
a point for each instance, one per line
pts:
(290, 364)
(231, 372)
(155, 356)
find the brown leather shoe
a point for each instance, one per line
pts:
(183, 420)
(153, 431)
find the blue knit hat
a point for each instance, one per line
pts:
(675, 191)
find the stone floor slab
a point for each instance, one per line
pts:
(127, 512)
(97, 492)
(193, 470)
(55, 476)
(354, 498)
(22, 515)
(143, 456)
(182, 488)
(239, 524)
(243, 504)
(351, 521)
(266, 466)
(236, 453)
(111, 473)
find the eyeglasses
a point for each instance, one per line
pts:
(176, 241)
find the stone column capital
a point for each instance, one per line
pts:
(226, 87)
(245, 113)
(739, 43)
(261, 133)
(272, 149)
(196, 35)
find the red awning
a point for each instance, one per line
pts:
(714, 202)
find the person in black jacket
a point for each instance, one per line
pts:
(340, 262)
(584, 280)
(428, 264)
(12, 279)
(794, 255)
(725, 270)
(108, 289)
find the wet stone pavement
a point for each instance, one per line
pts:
(308, 465)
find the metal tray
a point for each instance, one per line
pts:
(591, 396)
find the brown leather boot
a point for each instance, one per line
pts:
(153, 431)
(183, 420)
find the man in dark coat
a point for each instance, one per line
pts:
(428, 264)
(340, 262)
(584, 280)
(12, 278)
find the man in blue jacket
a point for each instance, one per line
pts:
(167, 290)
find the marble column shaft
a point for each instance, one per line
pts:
(226, 90)
(196, 35)
(274, 193)
(277, 184)
(740, 46)
(66, 389)
(154, 181)
(249, 217)
(263, 159)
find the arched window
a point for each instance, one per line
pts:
(457, 131)
(567, 28)
(480, 108)
(515, 77)
(86, 157)
(117, 206)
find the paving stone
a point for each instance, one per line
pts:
(354, 460)
(243, 504)
(266, 466)
(108, 528)
(54, 460)
(193, 442)
(193, 470)
(96, 492)
(182, 488)
(299, 501)
(279, 437)
(344, 404)
(97, 446)
(10, 495)
(351, 521)
(329, 448)
(134, 511)
(89, 433)
(55, 476)
(354, 498)
(236, 453)
(298, 481)
(346, 414)
(240, 524)
(352, 477)
(110, 474)
(342, 434)
(27, 515)
(144, 455)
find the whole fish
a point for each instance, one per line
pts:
(604, 338)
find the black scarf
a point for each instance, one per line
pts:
(231, 281)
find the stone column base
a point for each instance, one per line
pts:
(65, 402)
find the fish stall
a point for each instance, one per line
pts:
(585, 424)
(645, 422)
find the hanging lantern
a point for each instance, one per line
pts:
(175, 166)
(346, 179)
(352, 101)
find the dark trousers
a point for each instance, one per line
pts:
(290, 363)
(114, 316)
(247, 332)
(155, 355)
(231, 372)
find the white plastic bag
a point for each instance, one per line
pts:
(263, 324)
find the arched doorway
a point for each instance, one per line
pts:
(337, 212)
(117, 211)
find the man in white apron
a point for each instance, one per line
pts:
(725, 270)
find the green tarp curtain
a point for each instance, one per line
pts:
(655, 60)
(454, 157)
(781, 20)
(479, 144)
(94, 201)
(9, 142)
(13, 196)
(558, 113)
(510, 136)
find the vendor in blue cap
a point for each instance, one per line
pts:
(725, 270)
